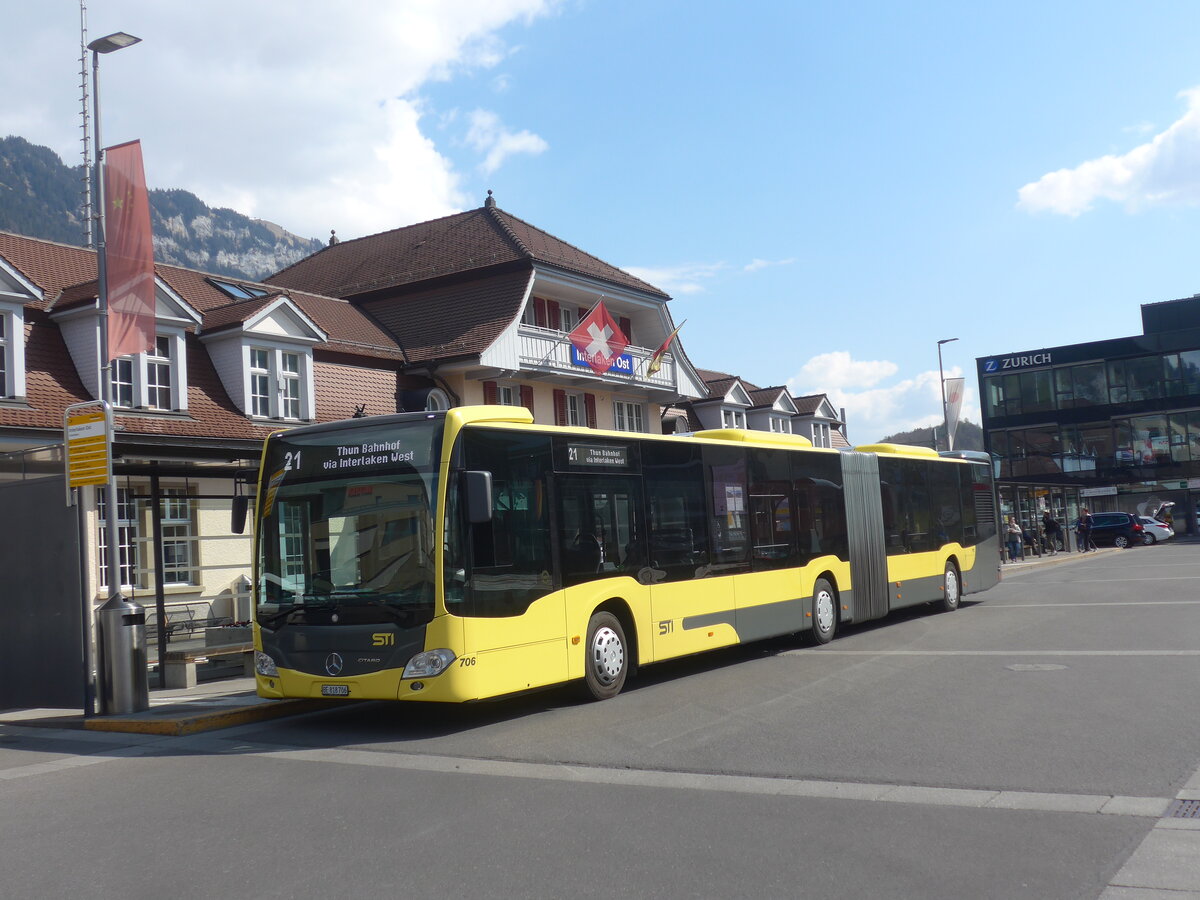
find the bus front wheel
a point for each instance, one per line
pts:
(607, 662)
(824, 612)
(951, 589)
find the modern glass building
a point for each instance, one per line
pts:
(1112, 425)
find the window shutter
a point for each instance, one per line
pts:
(589, 405)
(560, 407)
(552, 317)
(527, 397)
(626, 328)
(539, 312)
(491, 394)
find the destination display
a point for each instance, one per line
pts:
(605, 456)
(319, 454)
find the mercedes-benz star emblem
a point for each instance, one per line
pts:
(333, 663)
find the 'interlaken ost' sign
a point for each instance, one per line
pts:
(1024, 361)
(622, 364)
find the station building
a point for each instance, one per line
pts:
(1112, 425)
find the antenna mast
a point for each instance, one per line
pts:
(86, 123)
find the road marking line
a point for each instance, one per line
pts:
(1141, 807)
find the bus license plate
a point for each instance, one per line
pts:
(335, 690)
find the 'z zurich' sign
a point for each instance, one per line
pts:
(1017, 362)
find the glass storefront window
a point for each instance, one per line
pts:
(1172, 376)
(1044, 451)
(1096, 446)
(1151, 445)
(1179, 439)
(1124, 443)
(1189, 364)
(993, 389)
(1193, 434)
(1091, 387)
(1143, 378)
(1064, 388)
(1037, 392)
(1116, 381)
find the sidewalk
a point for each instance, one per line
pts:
(209, 705)
(1049, 559)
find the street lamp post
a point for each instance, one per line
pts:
(106, 44)
(942, 382)
(129, 684)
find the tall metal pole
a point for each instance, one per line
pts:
(942, 382)
(112, 545)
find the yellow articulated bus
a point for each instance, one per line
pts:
(471, 554)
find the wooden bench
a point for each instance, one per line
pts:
(179, 666)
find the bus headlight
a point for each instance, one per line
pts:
(264, 665)
(428, 664)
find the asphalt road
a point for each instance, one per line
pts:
(1025, 745)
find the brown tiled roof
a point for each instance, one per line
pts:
(52, 267)
(455, 320)
(808, 404)
(719, 383)
(765, 396)
(464, 242)
(67, 275)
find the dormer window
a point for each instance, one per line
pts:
(12, 351)
(276, 383)
(4, 356)
(733, 418)
(154, 379)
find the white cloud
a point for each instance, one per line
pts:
(490, 137)
(875, 406)
(756, 264)
(1163, 171)
(676, 280)
(312, 126)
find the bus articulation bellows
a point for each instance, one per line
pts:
(472, 554)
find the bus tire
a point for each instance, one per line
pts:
(951, 589)
(824, 612)
(606, 664)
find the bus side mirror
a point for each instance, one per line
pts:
(478, 489)
(237, 522)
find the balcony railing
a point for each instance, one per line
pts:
(549, 351)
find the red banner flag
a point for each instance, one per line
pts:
(128, 252)
(656, 358)
(599, 339)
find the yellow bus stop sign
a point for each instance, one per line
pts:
(88, 428)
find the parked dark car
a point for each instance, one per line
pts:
(1116, 529)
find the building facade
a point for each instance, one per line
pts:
(1111, 425)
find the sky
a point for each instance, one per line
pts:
(825, 190)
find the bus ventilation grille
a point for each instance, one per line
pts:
(1184, 809)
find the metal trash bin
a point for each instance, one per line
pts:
(121, 657)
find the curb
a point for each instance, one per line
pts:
(193, 723)
(1074, 556)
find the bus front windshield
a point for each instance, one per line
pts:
(347, 534)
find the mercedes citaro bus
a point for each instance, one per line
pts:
(470, 554)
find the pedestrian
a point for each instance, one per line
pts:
(1051, 530)
(1013, 532)
(1083, 530)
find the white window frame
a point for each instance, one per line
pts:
(12, 346)
(288, 396)
(508, 394)
(820, 435)
(131, 374)
(576, 410)
(629, 416)
(180, 548)
(126, 538)
(733, 418)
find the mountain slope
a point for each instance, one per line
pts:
(41, 197)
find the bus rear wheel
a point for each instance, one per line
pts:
(607, 663)
(824, 612)
(951, 589)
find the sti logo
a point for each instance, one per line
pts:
(1016, 362)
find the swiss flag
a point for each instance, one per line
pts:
(599, 339)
